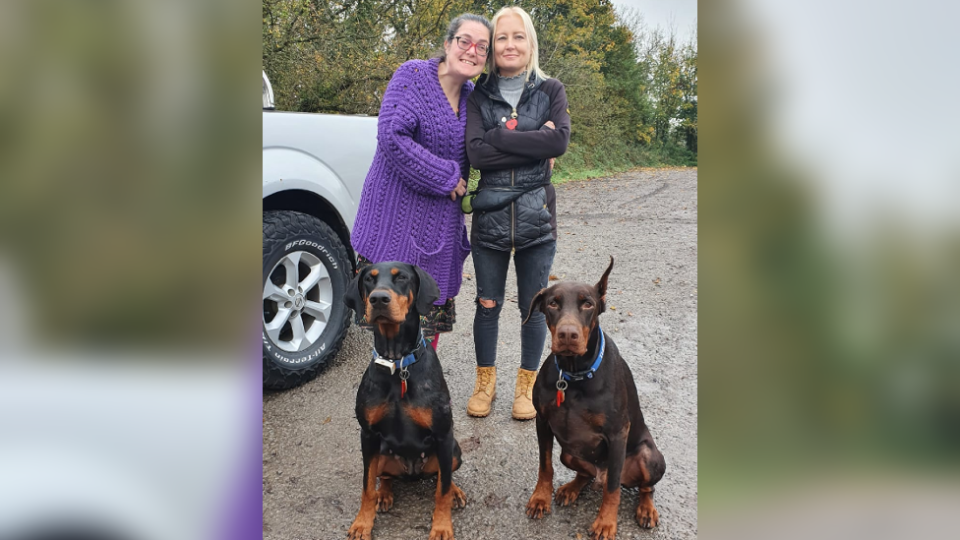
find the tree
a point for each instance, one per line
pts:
(627, 87)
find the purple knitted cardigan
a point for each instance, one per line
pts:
(405, 211)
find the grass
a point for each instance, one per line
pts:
(565, 175)
(578, 164)
(581, 164)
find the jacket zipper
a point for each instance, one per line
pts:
(513, 208)
(513, 218)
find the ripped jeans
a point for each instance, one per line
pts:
(533, 271)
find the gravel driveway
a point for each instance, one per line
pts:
(646, 219)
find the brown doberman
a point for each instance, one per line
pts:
(586, 398)
(403, 406)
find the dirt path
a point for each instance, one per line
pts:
(648, 221)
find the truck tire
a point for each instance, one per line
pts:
(306, 270)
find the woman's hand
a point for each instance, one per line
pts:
(551, 125)
(459, 191)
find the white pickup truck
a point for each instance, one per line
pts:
(314, 166)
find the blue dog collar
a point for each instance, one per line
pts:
(401, 364)
(587, 374)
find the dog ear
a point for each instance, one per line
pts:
(427, 293)
(535, 305)
(602, 287)
(352, 298)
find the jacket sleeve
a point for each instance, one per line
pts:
(544, 143)
(416, 166)
(481, 154)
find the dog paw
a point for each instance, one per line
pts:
(360, 530)
(647, 516)
(566, 494)
(442, 531)
(459, 499)
(538, 506)
(384, 501)
(603, 529)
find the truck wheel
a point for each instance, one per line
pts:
(306, 270)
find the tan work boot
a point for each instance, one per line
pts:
(523, 395)
(483, 392)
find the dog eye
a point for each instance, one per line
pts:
(401, 277)
(587, 305)
(553, 304)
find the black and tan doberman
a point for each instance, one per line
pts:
(403, 406)
(586, 398)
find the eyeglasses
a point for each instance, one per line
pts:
(465, 44)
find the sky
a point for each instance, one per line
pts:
(681, 14)
(858, 104)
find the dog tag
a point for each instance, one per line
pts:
(404, 374)
(561, 390)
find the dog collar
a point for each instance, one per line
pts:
(401, 364)
(588, 373)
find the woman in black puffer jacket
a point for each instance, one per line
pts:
(517, 122)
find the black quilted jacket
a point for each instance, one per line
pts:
(517, 157)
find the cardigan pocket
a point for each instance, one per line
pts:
(424, 256)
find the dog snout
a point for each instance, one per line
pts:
(568, 334)
(379, 299)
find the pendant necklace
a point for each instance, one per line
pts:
(512, 122)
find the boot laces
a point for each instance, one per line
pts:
(483, 380)
(526, 383)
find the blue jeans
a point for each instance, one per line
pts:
(533, 271)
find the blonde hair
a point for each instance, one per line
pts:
(533, 65)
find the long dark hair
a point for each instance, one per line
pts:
(454, 27)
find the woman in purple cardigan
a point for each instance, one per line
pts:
(409, 209)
